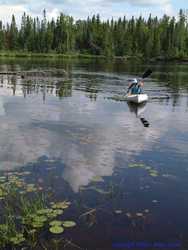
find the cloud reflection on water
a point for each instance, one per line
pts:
(85, 135)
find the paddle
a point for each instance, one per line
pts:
(147, 73)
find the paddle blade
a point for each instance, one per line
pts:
(147, 73)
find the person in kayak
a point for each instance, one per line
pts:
(135, 87)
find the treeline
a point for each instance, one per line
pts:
(153, 37)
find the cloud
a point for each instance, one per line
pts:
(6, 11)
(146, 2)
(80, 9)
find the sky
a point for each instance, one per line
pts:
(81, 9)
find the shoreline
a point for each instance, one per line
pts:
(88, 56)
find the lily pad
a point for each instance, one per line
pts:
(69, 223)
(153, 173)
(19, 238)
(55, 223)
(61, 205)
(37, 224)
(44, 211)
(136, 165)
(148, 168)
(51, 214)
(40, 219)
(97, 179)
(58, 211)
(56, 229)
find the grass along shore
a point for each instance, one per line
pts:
(51, 55)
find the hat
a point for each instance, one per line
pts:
(134, 80)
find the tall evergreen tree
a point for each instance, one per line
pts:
(150, 37)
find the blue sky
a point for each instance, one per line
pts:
(81, 8)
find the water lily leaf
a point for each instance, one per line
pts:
(55, 223)
(69, 223)
(51, 215)
(61, 205)
(148, 168)
(37, 224)
(32, 216)
(16, 240)
(58, 211)
(153, 174)
(97, 179)
(44, 211)
(40, 218)
(136, 165)
(56, 229)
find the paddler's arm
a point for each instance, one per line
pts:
(130, 87)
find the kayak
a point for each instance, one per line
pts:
(137, 98)
(133, 99)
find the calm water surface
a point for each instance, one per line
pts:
(96, 153)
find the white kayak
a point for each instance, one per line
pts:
(137, 98)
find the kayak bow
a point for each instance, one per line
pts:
(140, 98)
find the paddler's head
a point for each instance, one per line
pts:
(134, 81)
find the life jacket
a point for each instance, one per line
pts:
(136, 89)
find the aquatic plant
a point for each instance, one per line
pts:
(25, 215)
(152, 172)
(56, 229)
(55, 223)
(97, 179)
(69, 224)
(9, 233)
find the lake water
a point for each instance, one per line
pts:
(127, 183)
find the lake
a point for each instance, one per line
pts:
(65, 144)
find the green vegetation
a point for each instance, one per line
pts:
(160, 38)
(152, 172)
(26, 212)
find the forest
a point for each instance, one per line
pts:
(153, 37)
